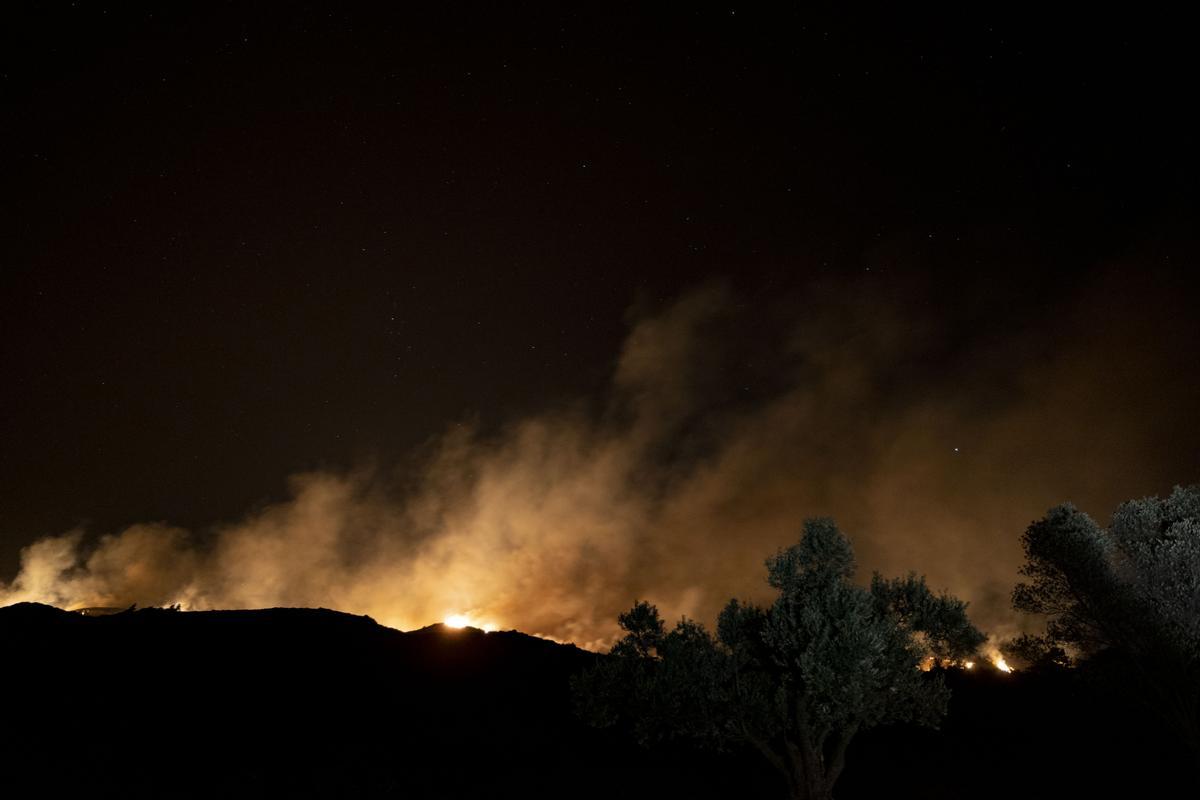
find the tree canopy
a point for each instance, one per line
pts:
(795, 680)
(1130, 592)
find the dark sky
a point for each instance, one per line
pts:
(242, 242)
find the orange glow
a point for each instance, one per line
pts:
(929, 662)
(467, 621)
(1001, 664)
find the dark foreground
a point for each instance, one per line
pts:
(313, 703)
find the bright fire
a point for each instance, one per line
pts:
(929, 662)
(464, 621)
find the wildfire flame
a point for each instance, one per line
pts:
(994, 658)
(465, 620)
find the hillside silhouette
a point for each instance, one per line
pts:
(317, 703)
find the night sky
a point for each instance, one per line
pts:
(929, 274)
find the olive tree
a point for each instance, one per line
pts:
(1130, 592)
(796, 680)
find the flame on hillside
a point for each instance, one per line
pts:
(467, 621)
(993, 658)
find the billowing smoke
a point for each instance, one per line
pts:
(725, 424)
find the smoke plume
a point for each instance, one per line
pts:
(724, 425)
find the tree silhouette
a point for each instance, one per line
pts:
(796, 680)
(1130, 593)
(1036, 653)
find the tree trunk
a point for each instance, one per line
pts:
(815, 767)
(809, 780)
(819, 790)
(805, 778)
(810, 765)
(806, 787)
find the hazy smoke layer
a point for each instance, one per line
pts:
(723, 428)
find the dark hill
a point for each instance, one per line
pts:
(304, 703)
(316, 703)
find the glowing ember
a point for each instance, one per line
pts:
(969, 664)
